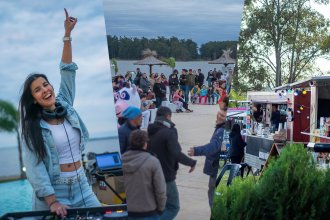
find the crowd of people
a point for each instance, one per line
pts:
(191, 85)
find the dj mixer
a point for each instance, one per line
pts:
(113, 212)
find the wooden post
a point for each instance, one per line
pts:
(150, 69)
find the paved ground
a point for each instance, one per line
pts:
(194, 129)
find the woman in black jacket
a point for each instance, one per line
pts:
(237, 144)
(160, 91)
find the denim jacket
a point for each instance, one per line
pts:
(42, 175)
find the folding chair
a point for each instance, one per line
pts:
(233, 172)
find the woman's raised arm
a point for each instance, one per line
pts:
(69, 24)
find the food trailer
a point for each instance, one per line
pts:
(305, 117)
(311, 110)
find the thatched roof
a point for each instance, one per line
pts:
(150, 60)
(224, 59)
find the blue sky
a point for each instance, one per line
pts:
(31, 41)
(201, 21)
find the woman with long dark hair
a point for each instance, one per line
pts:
(54, 136)
(237, 144)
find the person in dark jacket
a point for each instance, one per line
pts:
(160, 91)
(137, 77)
(258, 113)
(212, 150)
(190, 82)
(200, 78)
(163, 141)
(184, 84)
(173, 82)
(275, 118)
(237, 144)
(134, 120)
(209, 78)
(144, 83)
(144, 180)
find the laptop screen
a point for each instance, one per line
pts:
(108, 161)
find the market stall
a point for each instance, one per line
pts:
(266, 119)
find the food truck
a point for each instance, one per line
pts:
(304, 118)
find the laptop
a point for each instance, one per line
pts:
(108, 161)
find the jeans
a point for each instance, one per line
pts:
(159, 101)
(189, 89)
(185, 90)
(172, 204)
(70, 195)
(209, 97)
(210, 192)
(153, 217)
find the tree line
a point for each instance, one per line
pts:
(181, 49)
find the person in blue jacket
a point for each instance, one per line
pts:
(134, 120)
(212, 149)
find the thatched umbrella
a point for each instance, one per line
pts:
(225, 59)
(149, 59)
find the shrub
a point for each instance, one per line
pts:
(230, 202)
(290, 188)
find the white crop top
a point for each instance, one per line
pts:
(64, 134)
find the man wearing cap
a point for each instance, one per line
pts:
(163, 141)
(134, 120)
(212, 149)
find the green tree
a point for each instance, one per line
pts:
(9, 122)
(236, 95)
(214, 49)
(130, 48)
(280, 40)
(170, 62)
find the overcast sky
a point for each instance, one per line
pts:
(201, 21)
(31, 41)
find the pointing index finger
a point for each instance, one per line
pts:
(66, 13)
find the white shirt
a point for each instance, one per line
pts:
(67, 141)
